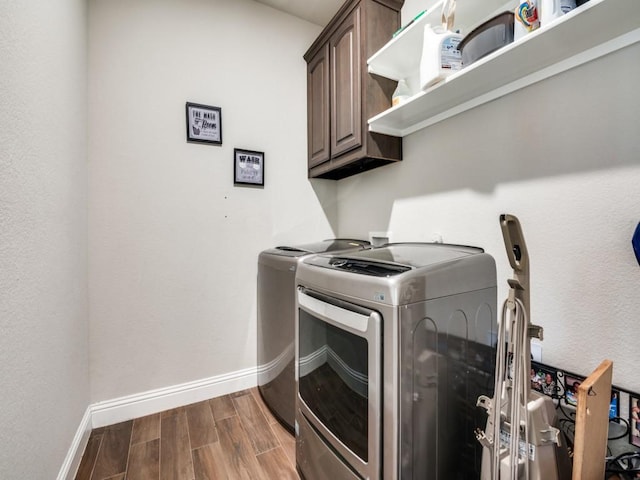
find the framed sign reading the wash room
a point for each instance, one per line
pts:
(204, 124)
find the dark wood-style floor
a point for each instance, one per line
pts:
(229, 437)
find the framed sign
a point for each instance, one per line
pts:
(204, 124)
(248, 167)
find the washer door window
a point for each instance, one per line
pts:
(339, 376)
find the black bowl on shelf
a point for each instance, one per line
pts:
(488, 37)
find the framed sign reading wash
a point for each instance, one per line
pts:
(204, 124)
(248, 167)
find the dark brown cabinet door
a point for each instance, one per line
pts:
(318, 107)
(346, 116)
(342, 95)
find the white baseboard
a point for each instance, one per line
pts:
(146, 403)
(270, 371)
(79, 443)
(154, 401)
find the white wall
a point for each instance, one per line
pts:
(43, 234)
(173, 244)
(562, 155)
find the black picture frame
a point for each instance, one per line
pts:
(571, 383)
(204, 123)
(248, 167)
(634, 420)
(614, 405)
(544, 380)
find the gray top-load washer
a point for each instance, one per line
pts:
(276, 316)
(417, 321)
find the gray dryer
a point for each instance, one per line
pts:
(276, 314)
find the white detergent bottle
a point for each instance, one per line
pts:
(440, 55)
(552, 9)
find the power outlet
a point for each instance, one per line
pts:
(379, 239)
(536, 352)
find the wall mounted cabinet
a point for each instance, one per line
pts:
(594, 29)
(342, 95)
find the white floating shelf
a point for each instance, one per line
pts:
(595, 29)
(400, 58)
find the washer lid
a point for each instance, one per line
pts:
(324, 246)
(395, 258)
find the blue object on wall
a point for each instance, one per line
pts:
(635, 241)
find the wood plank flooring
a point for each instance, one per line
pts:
(229, 437)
